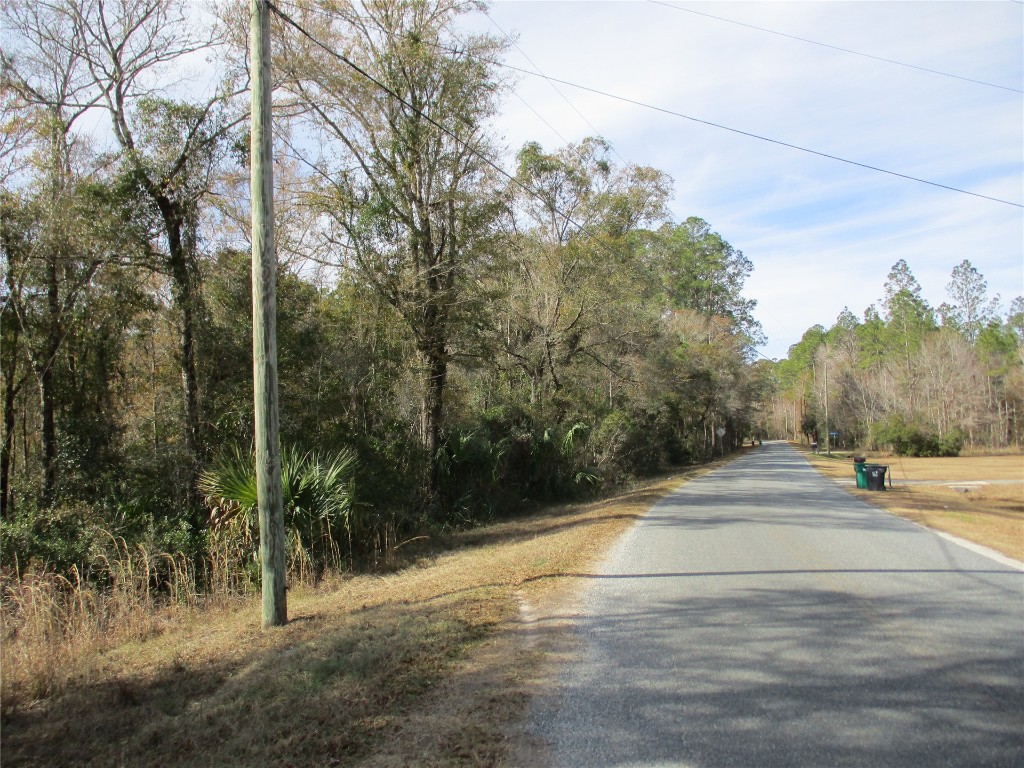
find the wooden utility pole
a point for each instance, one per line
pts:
(828, 437)
(264, 324)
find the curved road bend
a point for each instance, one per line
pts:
(762, 616)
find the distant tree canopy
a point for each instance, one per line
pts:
(908, 377)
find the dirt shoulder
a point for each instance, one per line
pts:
(432, 665)
(978, 498)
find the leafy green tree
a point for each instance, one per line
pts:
(169, 150)
(908, 320)
(970, 309)
(999, 346)
(795, 377)
(70, 298)
(793, 369)
(845, 328)
(573, 287)
(908, 316)
(897, 378)
(15, 246)
(1001, 358)
(871, 338)
(703, 272)
(49, 263)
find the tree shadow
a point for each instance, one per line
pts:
(791, 676)
(320, 691)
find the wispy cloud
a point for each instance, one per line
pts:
(821, 234)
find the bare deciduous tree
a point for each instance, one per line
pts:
(404, 188)
(169, 149)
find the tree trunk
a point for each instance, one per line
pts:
(181, 264)
(47, 384)
(431, 416)
(6, 500)
(10, 369)
(190, 379)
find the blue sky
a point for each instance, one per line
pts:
(821, 234)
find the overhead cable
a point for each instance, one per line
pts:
(837, 48)
(480, 154)
(341, 57)
(550, 82)
(635, 102)
(667, 111)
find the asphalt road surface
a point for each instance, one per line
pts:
(763, 616)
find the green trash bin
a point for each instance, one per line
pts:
(862, 474)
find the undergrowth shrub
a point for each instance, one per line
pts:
(503, 463)
(470, 464)
(561, 467)
(638, 442)
(910, 439)
(54, 625)
(324, 527)
(58, 539)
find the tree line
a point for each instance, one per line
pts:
(909, 377)
(461, 333)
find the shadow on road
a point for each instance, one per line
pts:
(762, 616)
(808, 678)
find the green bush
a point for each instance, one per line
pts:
(503, 463)
(59, 540)
(319, 514)
(911, 439)
(640, 442)
(470, 468)
(952, 442)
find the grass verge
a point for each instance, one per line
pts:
(956, 499)
(387, 670)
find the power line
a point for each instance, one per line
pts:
(551, 83)
(749, 134)
(542, 119)
(532, 192)
(341, 57)
(583, 230)
(452, 50)
(837, 48)
(635, 102)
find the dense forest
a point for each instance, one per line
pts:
(463, 332)
(909, 378)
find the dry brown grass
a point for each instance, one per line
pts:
(54, 627)
(391, 670)
(991, 515)
(963, 468)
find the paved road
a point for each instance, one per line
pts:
(762, 616)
